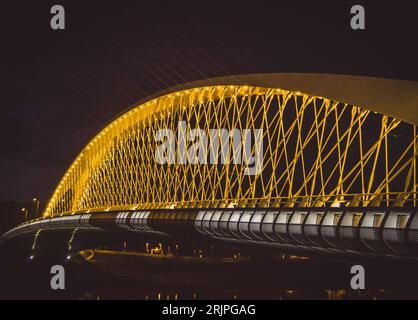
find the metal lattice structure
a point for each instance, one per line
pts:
(316, 152)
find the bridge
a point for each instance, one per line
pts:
(335, 168)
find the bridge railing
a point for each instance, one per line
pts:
(390, 199)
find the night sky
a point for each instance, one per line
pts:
(58, 88)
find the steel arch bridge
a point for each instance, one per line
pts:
(338, 169)
(316, 152)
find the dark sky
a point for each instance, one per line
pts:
(58, 88)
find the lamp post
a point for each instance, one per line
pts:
(36, 204)
(25, 212)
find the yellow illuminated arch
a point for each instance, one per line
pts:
(317, 151)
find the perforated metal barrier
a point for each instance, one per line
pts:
(391, 231)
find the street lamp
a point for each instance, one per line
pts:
(25, 212)
(36, 204)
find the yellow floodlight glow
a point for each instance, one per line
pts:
(312, 150)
